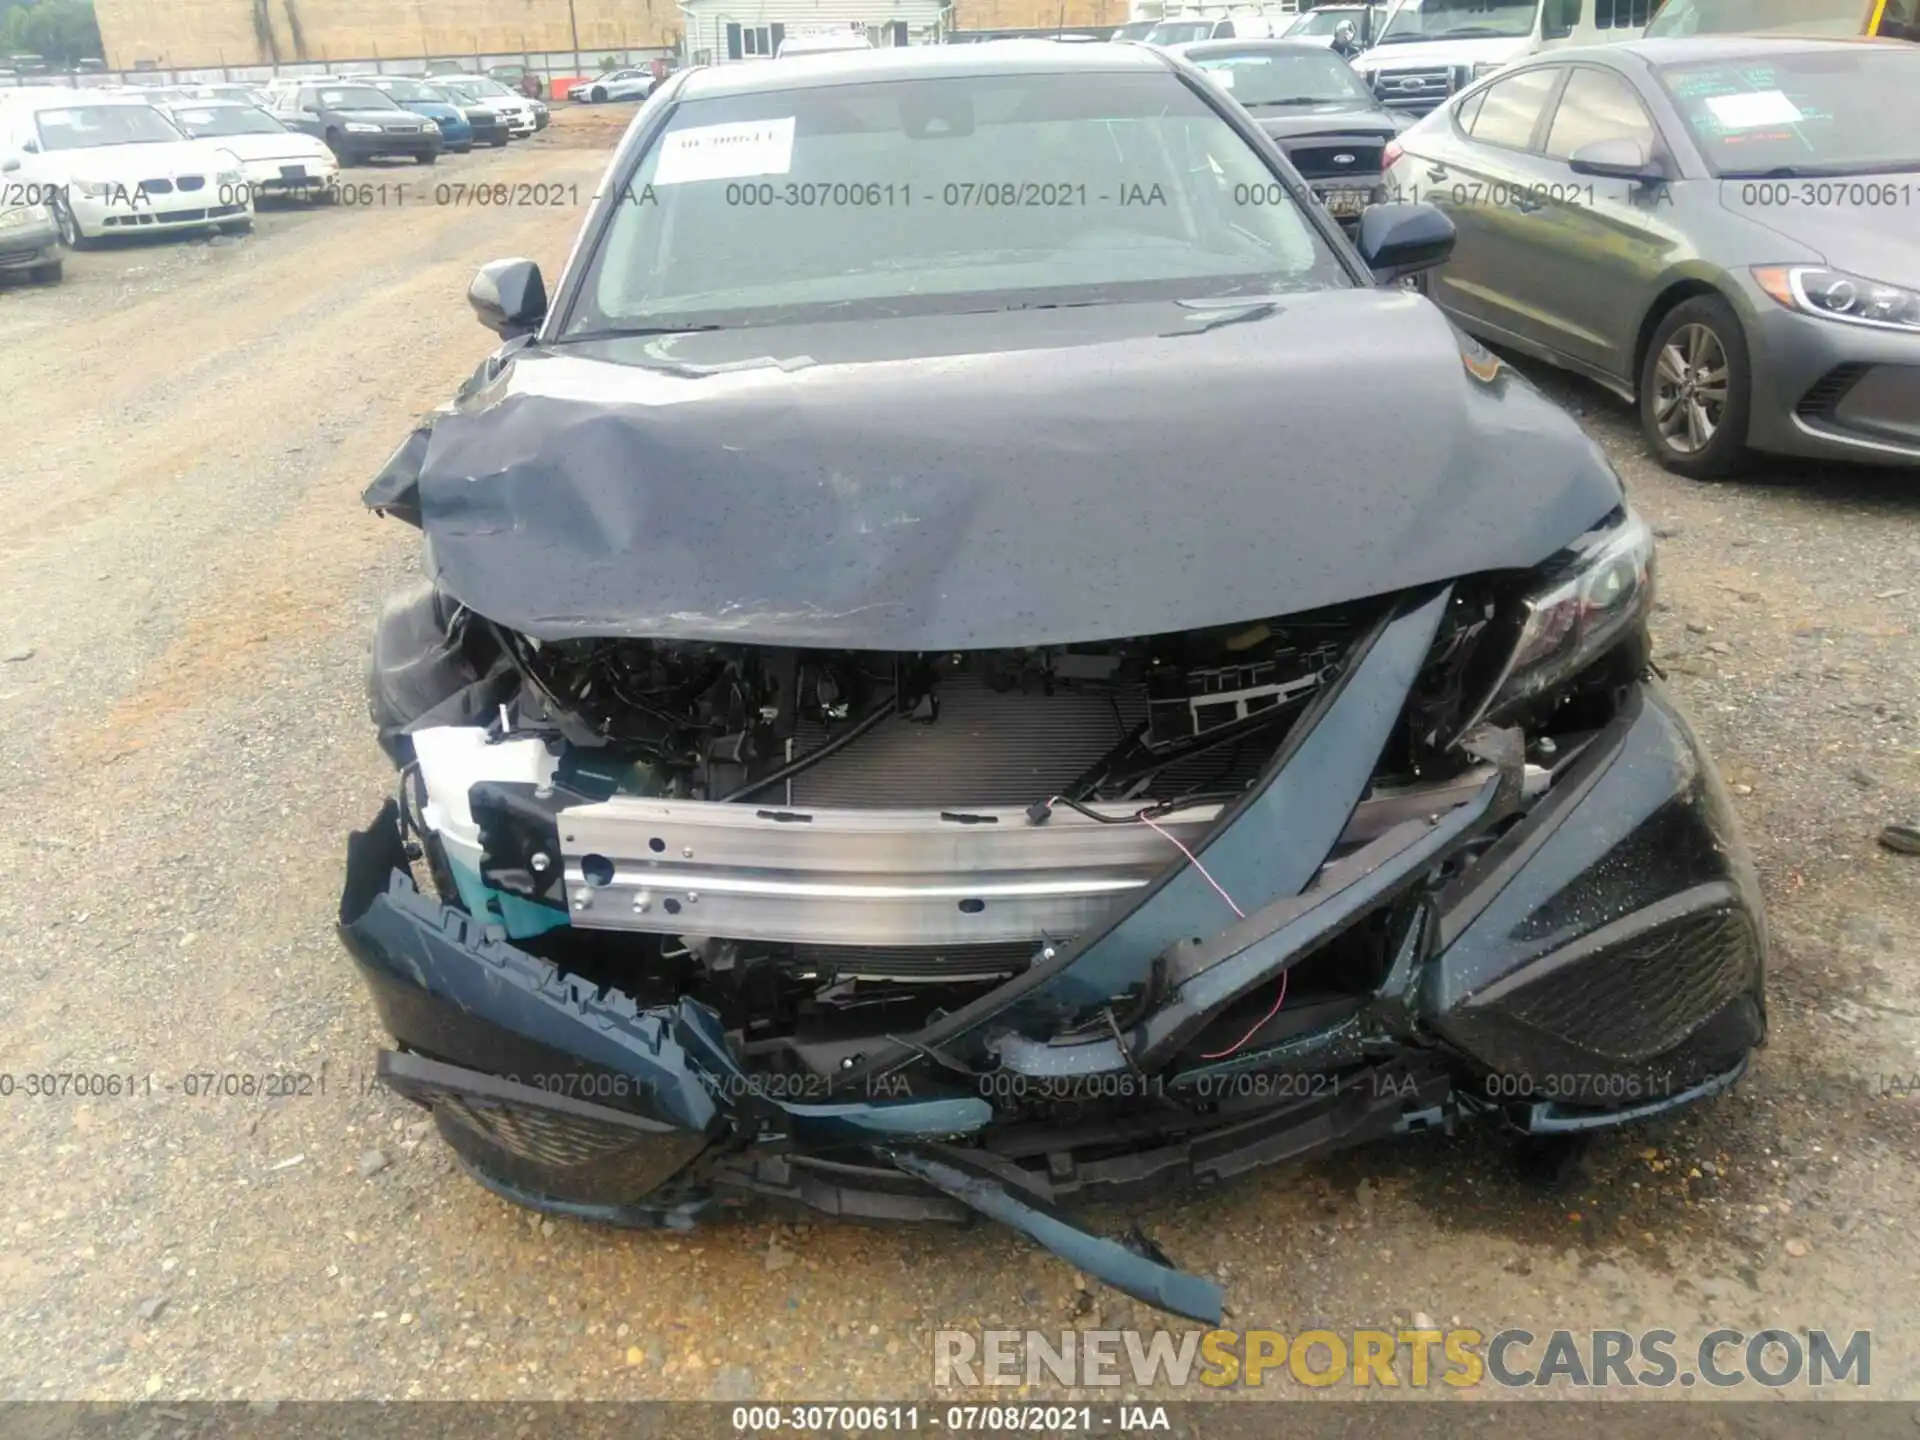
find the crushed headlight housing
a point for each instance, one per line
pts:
(1596, 590)
(1836, 295)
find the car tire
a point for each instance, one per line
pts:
(598, 95)
(70, 232)
(1696, 390)
(501, 143)
(48, 274)
(462, 150)
(235, 227)
(432, 157)
(332, 140)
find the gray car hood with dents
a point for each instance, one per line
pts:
(991, 480)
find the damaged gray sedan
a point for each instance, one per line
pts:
(979, 655)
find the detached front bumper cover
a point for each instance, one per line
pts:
(1624, 888)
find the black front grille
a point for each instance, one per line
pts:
(1642, 999)
(1322, 159)
(914, 962)
(1820, 402)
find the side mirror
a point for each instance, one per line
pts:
(509, 297)
(9, 165)
(1614, 160)
(1399, 239)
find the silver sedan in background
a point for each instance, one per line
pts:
(1724, 230)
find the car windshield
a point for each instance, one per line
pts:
(356, 97)
(981, 193)
(1840, 111)
(1459, 20)
(225, 120)
(1823, 112)
(1322, 22)
(410, 92)
(452, 94)
(1838, 18)
(1134, 30)
(80, 127)
(1179, 32)
(1283, 78)
(484, 87)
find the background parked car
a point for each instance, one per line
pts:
(523, 116)
(275, 160)
(456, 130)
(489, 126)
(634, 82)
(1333, 129)
(119, 165)
(359, 122)
(1722, 229)
(29, 233)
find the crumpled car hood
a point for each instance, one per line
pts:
(997, 480)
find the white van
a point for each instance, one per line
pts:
(822, 42)
(1427, 49)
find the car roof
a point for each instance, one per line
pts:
(919, 62)
(1684, 50)
(63, 99)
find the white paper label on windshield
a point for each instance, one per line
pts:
(726, 152)
(1754, 109)
(1220, 75)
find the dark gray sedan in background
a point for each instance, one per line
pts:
(1724, 230)
(1306, 97)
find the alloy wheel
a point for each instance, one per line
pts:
(1690, 389)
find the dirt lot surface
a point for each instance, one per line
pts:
(183, 746)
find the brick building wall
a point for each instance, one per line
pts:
(1036, 14)
(185, 33)
(179, 34)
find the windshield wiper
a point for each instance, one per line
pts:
(1461, 30)
(628, 332)
(1298, 100)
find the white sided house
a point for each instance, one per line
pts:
(720, 32)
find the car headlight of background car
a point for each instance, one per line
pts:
(95, 189)
(1590, 595)
(15, 217)
(359, 127)
(1485, 68)
(230, 177)
(1836, 295)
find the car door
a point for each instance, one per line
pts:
(1590, 249)
(1470, 173)
(300, 110)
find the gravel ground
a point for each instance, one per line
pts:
(183, 746)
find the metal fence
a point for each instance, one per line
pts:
(547, 65)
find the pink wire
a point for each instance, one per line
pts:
(1278, 1001)
(1148, 820)
(1194, 860)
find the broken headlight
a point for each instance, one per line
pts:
(1592, 593)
